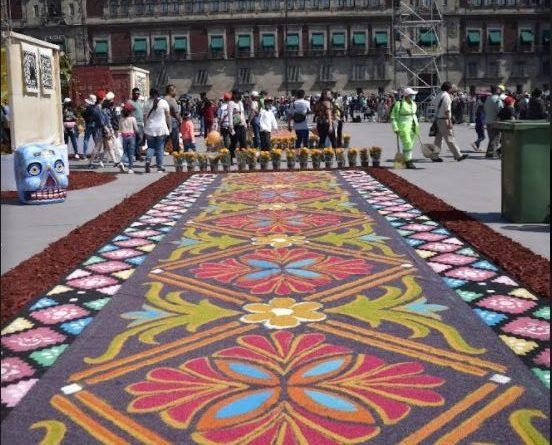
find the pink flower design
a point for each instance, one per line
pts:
(92, 282)
(11, 395)
(471, 274)
(32, 339)
(282, 271)
(529, 327)
(504, 303)
(273, 389)
(543, 358)
(13, 368)
(57, 314)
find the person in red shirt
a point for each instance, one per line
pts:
(209, 113)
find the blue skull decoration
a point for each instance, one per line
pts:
(40, 174)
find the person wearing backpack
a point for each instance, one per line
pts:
(297, 119)
(238, 129)
(324, 119)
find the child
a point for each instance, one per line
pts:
(187, 130)
(128, 128)
(479, 127)
(267, 123)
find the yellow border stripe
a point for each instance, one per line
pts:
(421, 347)
(437, 423)
(128, 425)
(93, 428)
(474, 422)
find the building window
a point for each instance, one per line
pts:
(243, 44)
(114, 8)
(101, 49)
(71, 9)
(520, 69)
(472, 69)
(180, 45)
(473, 38)
(545, 38)
(338, 40)
(526, 37)
(359, 40)
(150, 9)
(546, 68)
(160, 45)
(359, 72)
(374, 4)
(381, 39)
(326, 74)
(293, 73)
(174, 7)
(201, 77)
(292, 42)
(494, 37)
(244, 76)
(380, 71)
(268, 41)
(317, 40)
(139, 7)
(124, 7)
(217, 46)
(165, 7)
(140, 46)
(35, 10)
(493, 70)
(427, 37)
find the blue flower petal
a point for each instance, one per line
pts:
(324, 368)
(248, 371)
(303, 273)
(263, 264)
(301, 263)
(262, 274)
(250, 402)
(330, 401)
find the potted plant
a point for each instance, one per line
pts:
(178, 157)
(313, 140)
(241, 156)
(190, 157)
(375, 154)
(264, 158)
(352, 154)
(346, 140)
(364, 157)
(276, 154)
(275, 141)
(202, 161)
(225, 159)
(340, 157)
(290, 158)
(328, 156)
(303, 157)
(251, 158)
(214, 162)
(316, 156)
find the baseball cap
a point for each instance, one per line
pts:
(91, 100)
(227, 96)
(254, 93)
(409, 92)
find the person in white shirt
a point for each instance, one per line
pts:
(443, 107)
(297, 119)
(238, 125)
(157, 120)
(224, 119)
(267, 123)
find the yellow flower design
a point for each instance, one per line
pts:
(282, 313)
(278, 206)
(280, 240)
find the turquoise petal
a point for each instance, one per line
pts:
(248, 371)
(330, 401)
(324, 368)
(263, 264)
(265, 273)
(421, 307)
(300, 263)
(248, 403)
(303, 273)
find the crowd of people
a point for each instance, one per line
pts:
(166, 122)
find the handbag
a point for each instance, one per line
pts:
(434, 128)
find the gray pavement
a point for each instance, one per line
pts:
(472, 185)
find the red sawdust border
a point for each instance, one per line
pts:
(532, 270)
(44, 270)
(77, 180)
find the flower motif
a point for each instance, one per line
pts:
(279, 241)
(282, 271)
(272, 390)
(277, 195)
(282, 313)
(278, 206)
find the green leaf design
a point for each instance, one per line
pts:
(520, 421)
(174, 312)
(200, 241)
(342, 204)
(364, 239)
(408, 309)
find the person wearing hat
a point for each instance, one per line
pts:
(267, 123)
(443, 107)
(493, 105)
(253, 118)
(224, 120)
(238, 124)
(405, 123)
(89, 123)
(70, 128)
(138, 113)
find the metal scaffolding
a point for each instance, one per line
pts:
(416, 45)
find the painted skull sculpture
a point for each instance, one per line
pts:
(40, 174)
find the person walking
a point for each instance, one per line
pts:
(238, 129)
(443, 104)
(405, 123)
(324, 119)
(174, 111)
(138, 114)
(479, 127)
(267, 123)
(157, 122)
(253, 118)
(70, 128)
(537, 107)
(523, 106)
(493, 105)
(89, 123)
(128, 128)
(224, 119)
(297, 119)
(209, 113)
(188, 133)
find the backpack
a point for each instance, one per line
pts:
(297, 116)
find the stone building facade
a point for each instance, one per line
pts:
(214, 45)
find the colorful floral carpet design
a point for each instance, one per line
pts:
(283, 309)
